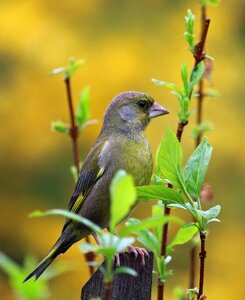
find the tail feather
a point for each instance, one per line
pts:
(59, 247)
(64, 242)
(45, 262)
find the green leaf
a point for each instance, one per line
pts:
(196, 75)
(144, 236)
(184, 76)
(60, 126)
(184, 235)
(70, 69)
(67, 214)
(125, 270)
(170, 159)
(123, 197)
(111, 244)
(124, 243)
(189, 21)
(189, 24)
(167, 195)
(73, 66)
(158, 211)
(148, 223)
(83, 108)
(211, 213)
(170, 85)
(86, 247)
(57, 71)
(196, 168)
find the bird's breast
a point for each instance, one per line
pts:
(137, 161)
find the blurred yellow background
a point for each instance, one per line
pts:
(125, 44)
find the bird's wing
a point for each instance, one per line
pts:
(92, 169)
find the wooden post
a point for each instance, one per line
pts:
(124, 287)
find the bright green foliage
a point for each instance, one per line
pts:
(83, 109)
(60, 126)
(158, 192)
(189, 34)
(185, 77)
(196, 168)
(196, 75)
(170, 152)
(134, 225)
(123, 197)
(31, 290)
(152, 240)
(109, 244)
(67, 214)
(208, 216)
(188, 82)
(184, 235)
(83, 112)
(169, 85)
(188, 181)
(184, 94)
(70, 69)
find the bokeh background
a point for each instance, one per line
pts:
(125, 44)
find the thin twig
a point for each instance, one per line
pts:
(167, 211)
(74, 134)
(73, 129)
(202, 256)
(199, 55)
(204, 30)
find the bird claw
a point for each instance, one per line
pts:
(139, 251)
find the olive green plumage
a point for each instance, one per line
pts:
(121, 145)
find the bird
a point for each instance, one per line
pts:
(121, 144)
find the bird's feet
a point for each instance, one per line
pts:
(137, 251)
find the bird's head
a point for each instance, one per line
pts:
(132, 112)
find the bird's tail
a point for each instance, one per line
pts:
(59, 247)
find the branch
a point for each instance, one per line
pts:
(74, 133)
(199, 55)
(202, 256)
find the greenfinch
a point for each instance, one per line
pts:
(121, 144)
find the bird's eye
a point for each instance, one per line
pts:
(143, 104)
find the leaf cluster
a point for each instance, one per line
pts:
(187, 181)
(83, 112)
(189, 33)
(189, 82)
(184, 93)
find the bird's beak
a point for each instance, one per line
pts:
(157, 110)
